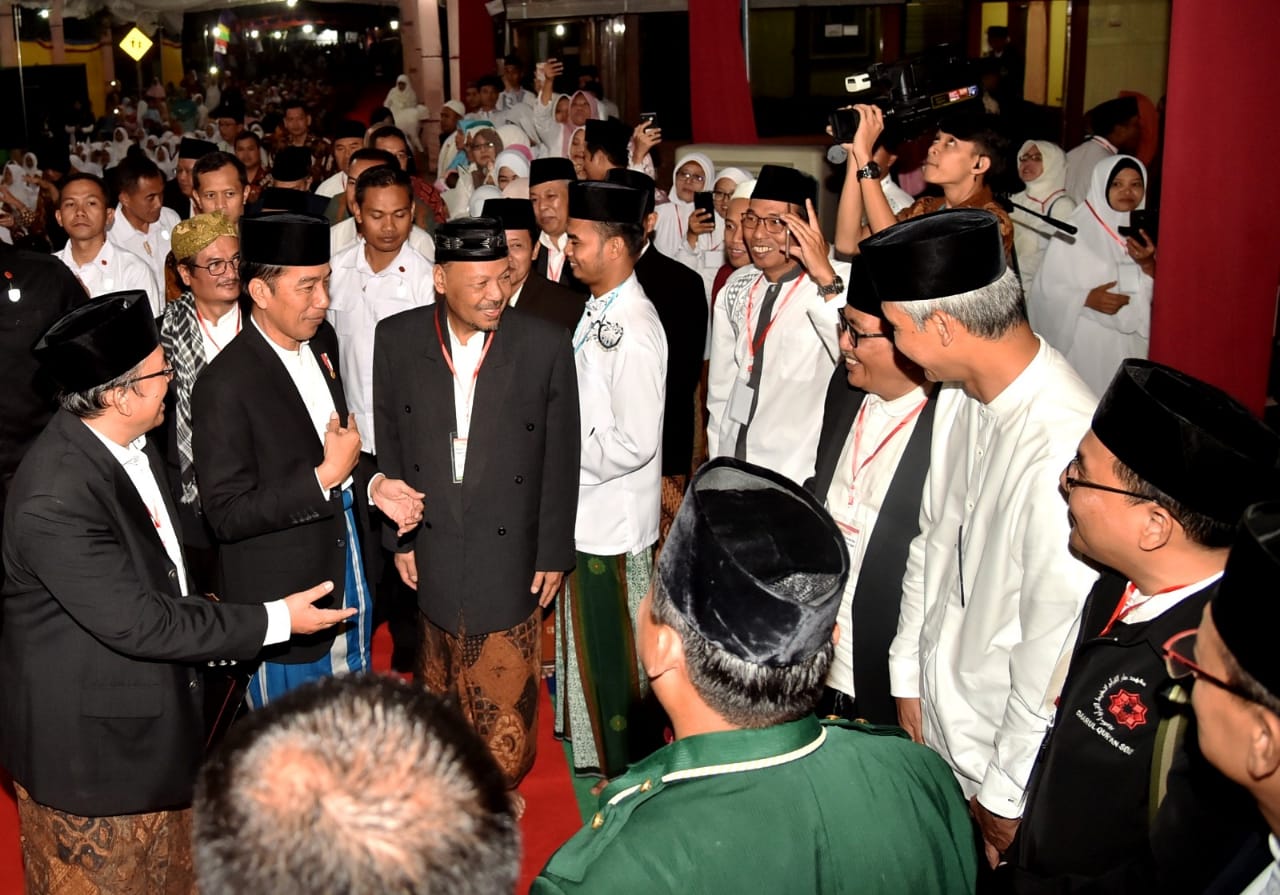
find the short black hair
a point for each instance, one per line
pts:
(983, 131)
(294, 104)
(632, 235)
(133, 168)
(351, 784)
(248, 135)
(369, 154)
(997, 31)
(254, 270)
(388, 130)
(85, 175)
(490, 81)
(214, 161)
(1104, 118)
(513, 60)
(381, 176)
(1199, 528)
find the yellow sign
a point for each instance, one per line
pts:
(136, 44)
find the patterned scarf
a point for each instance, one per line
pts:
(184, 349)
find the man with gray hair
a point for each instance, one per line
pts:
(350, 785)
(991, 593)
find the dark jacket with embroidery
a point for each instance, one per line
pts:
(1087, 825)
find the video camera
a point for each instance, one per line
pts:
(912, 93)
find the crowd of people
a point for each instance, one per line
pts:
(277, 382)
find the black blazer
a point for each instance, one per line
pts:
(174, 199)
(567, 279)
(680, 297)
(878, 594)
(481, 541)
(255, 453)
(551, 301)
(100, 700)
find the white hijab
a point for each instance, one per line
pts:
(24, 192)
(398, 99)
(1070, 270)
(517, 163)
(120, 144)
(708, 171)
(1052, 181)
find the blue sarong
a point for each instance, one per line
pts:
(351, 651)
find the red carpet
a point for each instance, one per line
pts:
(550, 818)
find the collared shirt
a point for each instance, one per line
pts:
(515, 296)
(555, 254)
(991, 594)
(801, 350)
(215, 335)
(1146, 608)
(856, 510)
(114, 269)
(334, 185)
(622, 395)
(466, 357)
(152, 246)
(345, 233)
(308, 378)
(358, 299)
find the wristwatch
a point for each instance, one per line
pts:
(869, 171)
(835, 287)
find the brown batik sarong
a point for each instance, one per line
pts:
(130, 854)
(672, 495)
(495, 678)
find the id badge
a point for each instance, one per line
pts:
(1128, 279)
(740, 402)
(851, 534)
(458, 450)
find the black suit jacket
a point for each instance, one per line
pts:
(100, 700)
(481, 541)
(174, 199)
(551, 301)
(256, 452)
(680, 297)
(878, 594)
(567, 278)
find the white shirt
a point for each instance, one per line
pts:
(345, 233)
(152, 246)
(856, 514)
(466, 357)
(358, 299)
(1268, 881)
(217, 334)
(622, 393)
(897, 197)
(670, 235)
(555, 254)
(800, 353)
(114, 269)
(1080, 165)
(308, 379)
(992, 595)
(1145, 608)
(332, 186)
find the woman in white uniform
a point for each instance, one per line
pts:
(691, 237)
(1042, 166)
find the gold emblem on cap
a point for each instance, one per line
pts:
(646, 786)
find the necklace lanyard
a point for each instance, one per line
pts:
(209, 335)
(475, 374)
(1048, 200)
(1122, 243)
(1127, 604)
(854, 466)
(754, 345)
(582, 334)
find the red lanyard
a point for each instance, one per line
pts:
(856, 467)
(1123, 608)
(754, 345)
(475, 374)
(209, 335)
(1122, 243)
(1048, 199)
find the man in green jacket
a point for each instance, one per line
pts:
(756, 794)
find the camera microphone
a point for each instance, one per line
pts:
(837, 155)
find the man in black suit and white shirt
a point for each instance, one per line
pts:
(275, 453)
(485, 421)
(100, 699)
(549, 180)
(873, 454)
(530, 290)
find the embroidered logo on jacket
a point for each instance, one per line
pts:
(1118, 710)
(1128, 708)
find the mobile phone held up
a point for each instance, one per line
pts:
(649, 119)
(1142, 219)
(844, 124)
(705, 201)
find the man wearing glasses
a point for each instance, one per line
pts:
(1234, 662)
(1154, 493)
(774, 332)
(873, 454)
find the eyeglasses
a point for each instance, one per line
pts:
(846, 327)
(167, 373)
(1178, 662)
(722, 195)
(1030, 158)
(218, 266)
(488, 144)
(690, 178)
(751, 220)
(1074, 482)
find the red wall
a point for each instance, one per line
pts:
(720, 95)
(475, 41)
(1219, 254)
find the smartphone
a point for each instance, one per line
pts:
(705, 201)
(844, 124)
(540, 72)
(1143, 219)
(649, 119)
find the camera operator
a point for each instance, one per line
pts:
(967, 151)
